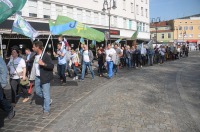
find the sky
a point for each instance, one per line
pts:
(170, 9)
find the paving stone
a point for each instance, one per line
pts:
(159, 98)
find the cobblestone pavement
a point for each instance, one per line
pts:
(163, 98)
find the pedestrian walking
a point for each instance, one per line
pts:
(17, 69)
(42, 73)
(100, 57)
(87, 58)
(119, 53)
(75, 62)
(110, 52)
(61, 54)
(4, 104)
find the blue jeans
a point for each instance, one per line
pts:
(43, 91)
(61, 71)
(150, 59)
(75, 70)
(115, 68)
(128, 62)
(110, 68)
(84, 66)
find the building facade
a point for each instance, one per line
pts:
(164, 32)
(124, 20)
(187, 30)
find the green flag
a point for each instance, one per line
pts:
(134, 36)
(9, 7)
(67, 26)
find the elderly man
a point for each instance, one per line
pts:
(110, 56)
(87, 58)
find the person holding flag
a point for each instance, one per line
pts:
(42, 73)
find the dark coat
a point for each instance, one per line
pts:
(46, 72)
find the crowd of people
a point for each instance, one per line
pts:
(38, 67)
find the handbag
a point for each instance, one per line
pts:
(24, 82)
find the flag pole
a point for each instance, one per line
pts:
(52, 43)
(1, 45)
(45, 47)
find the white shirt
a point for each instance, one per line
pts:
(86, 56)
(110, 51)
(19, 64)
(36, 65)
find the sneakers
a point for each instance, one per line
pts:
(11, 114)
(141, 66)
(45, 115)
(50, 101)
(75, 78)
(25, 100)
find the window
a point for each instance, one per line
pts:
(130, 24)
(185, 35)
(142, 27)
(124, 22)
(191, 35)
(169, 35)
(47, 10)
(185, 28)
(141, 0)
(96, 18)
(59, 10)
(199, 35)
(33, 8)
(180, 28)
(163, 36)
(103, 19)
(88, 17)
(199, 27)
(70, 12)
(146, 1)
(79, 15)
(142, 11)
(191, 27)
(180, 35)
(132, 8)
(124, 4)
(32, 15)
(146, 13)
(137, 10)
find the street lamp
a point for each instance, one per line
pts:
(156, 21)
(108, 7)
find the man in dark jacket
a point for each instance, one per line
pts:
(43, 72)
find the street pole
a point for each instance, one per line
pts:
(108, 7)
